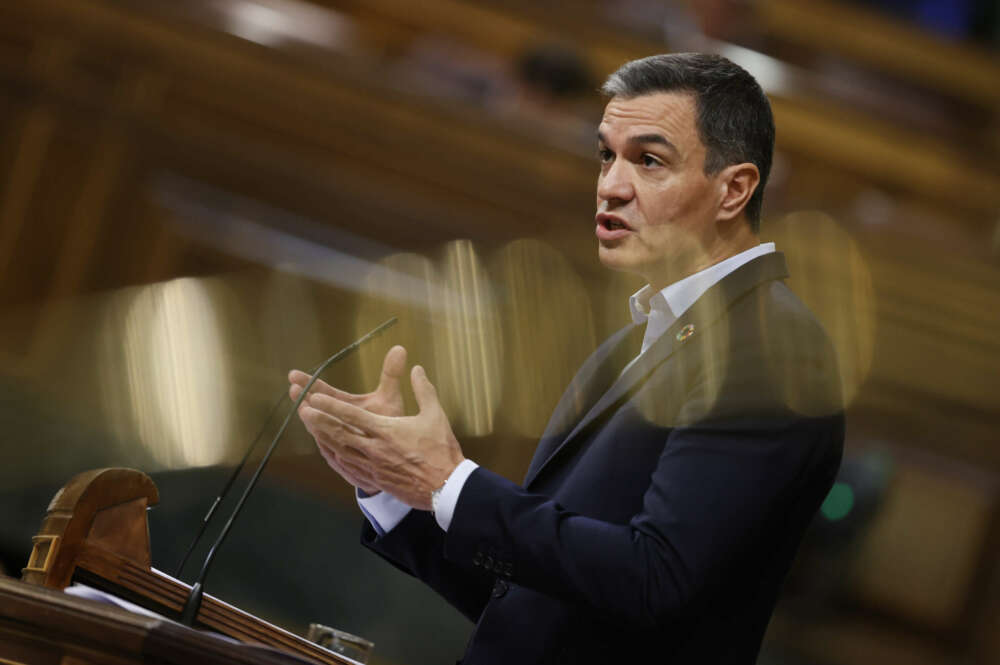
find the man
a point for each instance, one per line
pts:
(671, 488)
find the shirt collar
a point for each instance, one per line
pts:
(676, 298)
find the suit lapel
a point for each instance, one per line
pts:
(598, 372)
(709, 308)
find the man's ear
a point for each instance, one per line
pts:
(737, 184)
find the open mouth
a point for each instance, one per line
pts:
(612, 223)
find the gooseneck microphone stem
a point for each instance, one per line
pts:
(229, 484)
(193, 603)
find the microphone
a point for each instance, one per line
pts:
(229, 483)
(193, 603)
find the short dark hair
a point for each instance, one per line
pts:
(732, 113)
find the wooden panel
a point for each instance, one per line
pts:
(888, 44)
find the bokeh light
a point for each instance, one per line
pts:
(548, 330)
(829, 273)
(838, 502)
(467, 341)
(399, 285)
(169, 382)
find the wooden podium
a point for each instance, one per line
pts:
(40, 626)
(95, 532)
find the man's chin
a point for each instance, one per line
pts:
(614, 258)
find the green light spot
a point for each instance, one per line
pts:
(838, 502)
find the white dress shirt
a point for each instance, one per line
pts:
(658, 310)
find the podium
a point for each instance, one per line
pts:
(95, 531)
(40, 626)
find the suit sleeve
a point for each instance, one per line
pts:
(416, 546)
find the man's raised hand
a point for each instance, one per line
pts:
(386, 399)
(407, 456)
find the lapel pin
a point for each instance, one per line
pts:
(685, 332)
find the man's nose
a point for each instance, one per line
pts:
(615, 183)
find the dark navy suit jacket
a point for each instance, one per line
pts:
(663, 506)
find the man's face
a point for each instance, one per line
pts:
(656, 208)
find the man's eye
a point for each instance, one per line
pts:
(604, 155)
(649, 160)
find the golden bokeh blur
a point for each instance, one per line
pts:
(399, 285)
(828, 272)
(165, 373)
(448, 324)
(467, 341)
(548, 329)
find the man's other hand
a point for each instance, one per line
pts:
(386, 400)
(407, 456)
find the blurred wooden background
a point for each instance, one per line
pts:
(274, 151)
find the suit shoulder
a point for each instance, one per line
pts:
(778, 355)
(774, 319)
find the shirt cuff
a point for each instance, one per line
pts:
(448, 498)
(383, 510)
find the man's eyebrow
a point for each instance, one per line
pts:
(653, 138)
(645, 138)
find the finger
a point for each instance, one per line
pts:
(310, 423)
(313, 402)
(307, 424)
(358, 418)
(352, 473)
(347, 456)
(360, 474)
(364, 477)
(358, 480)
(332, 430)
(392, 369)
(423, 389)
(301, 379)
(332, 461)
(294, 390)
